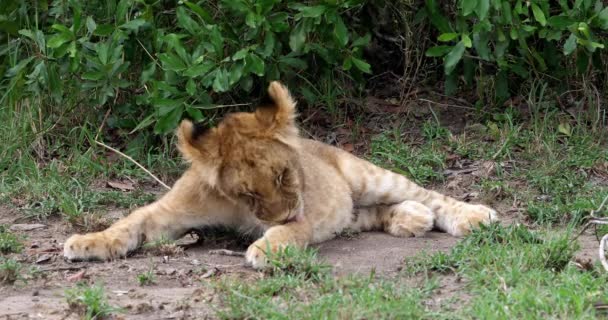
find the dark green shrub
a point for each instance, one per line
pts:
(514, 38)
(166, 59)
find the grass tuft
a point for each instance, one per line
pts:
(10, 271)
(89, 301)
(9, 243)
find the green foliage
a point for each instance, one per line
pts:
(10, 271)
(288, 296)
(9, 243)
(89, 301)
(292, 260)
(146, 278)
(512, 272)
(168, 60)
(422, 164)
(518, 38)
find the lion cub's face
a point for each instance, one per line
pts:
(251, 158)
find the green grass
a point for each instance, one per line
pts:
(514, 273)
(10, 271)
(48, 167)
(422, 164)
(89, 301)
(146, 278)
(9, 243)
(299, 286)
(506, 273)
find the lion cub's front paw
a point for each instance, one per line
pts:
(468, 217)
(93, 246)
(256, 254)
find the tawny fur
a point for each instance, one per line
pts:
(255, 173)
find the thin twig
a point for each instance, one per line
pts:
(71, 268)
(226, 252)
(103, 123)
(603, 253)
(451, 105)
(136, 163)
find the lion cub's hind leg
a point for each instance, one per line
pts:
(405, 219)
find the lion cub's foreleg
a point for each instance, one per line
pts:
(373, 186)
(185, 207)
(296, 233)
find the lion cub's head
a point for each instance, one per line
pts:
(251, 158)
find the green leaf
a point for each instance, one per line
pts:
(236, 72)
(340, 31)
(104, 30)
(147, 73)
(169, 121)
(560, 22)
(91, 25)
(221, 83)
(602, 16)
(297, 38)
(506, 11)
(133, 25)
(312, 12)
(199, 11)
(361, 65)
(93, 75)
(452, 58)
(241, 54)
(437, 19)
(451, 84)
(570, 44)
(195, 114)
(445, 37)
(438, 51)
(63, 29)
(565, 129)
(538, 14)
(191, 87)
(185, 21)
(347, 64)
(480, 42)
(171, 62)
(198, 70)
(467, 41)
(278, 21)
(164, 105)
(269, 44)
(253, 20)
(468, 6)
(362, 41)
(58, 39)
(482, 9)
(255, 64)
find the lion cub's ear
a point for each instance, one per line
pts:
(197, 142)
(279, 114)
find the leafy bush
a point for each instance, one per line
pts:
(168, 60)
(525, 39)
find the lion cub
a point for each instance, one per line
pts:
(254, 172)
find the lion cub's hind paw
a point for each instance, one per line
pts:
(470, 217)
(93, 246)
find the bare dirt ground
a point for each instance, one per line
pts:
(183, 287)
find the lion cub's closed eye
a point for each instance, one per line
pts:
(253, 171)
